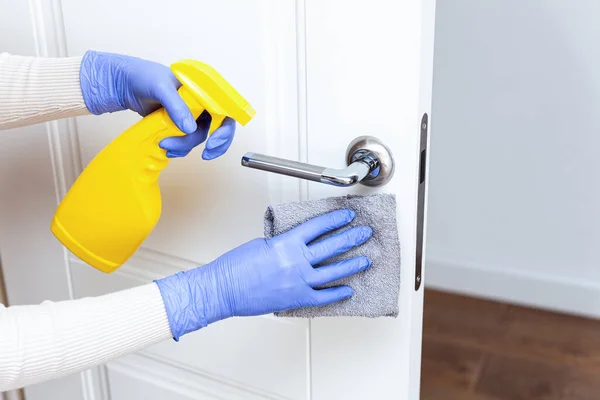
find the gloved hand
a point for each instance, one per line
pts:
(265, 276)
(115, 82)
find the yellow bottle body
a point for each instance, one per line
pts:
(115, 203)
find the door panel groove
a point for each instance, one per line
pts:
(303, 144)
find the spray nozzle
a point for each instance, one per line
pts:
(212, 92)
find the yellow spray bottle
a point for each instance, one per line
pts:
(115, 203)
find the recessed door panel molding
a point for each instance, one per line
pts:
(139, 376)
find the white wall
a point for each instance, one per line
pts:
(514, 208)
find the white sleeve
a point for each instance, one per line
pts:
(53, 339)
(39, 89)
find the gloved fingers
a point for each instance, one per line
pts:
(331, 295)
(179, 112)
(220, 140)
(318, 226)
(333, 272)
(180, 146)
(338, 244)
(176, 154)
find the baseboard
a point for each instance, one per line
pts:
(545, 292)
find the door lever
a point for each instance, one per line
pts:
(369, 162)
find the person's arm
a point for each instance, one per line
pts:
(40, 89)
(50, 340)
(36, 89)
(54, 339)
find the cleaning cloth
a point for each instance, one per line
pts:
(376, 289)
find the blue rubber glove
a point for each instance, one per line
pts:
(265, 276)
(115, 82)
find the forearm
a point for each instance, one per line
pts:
(53, 339)
(39, 89)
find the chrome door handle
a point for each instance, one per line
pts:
(369, 162)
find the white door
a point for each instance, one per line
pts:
(319, 73)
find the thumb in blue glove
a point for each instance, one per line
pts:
(114, 82)
(265, 276)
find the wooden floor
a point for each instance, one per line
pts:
(481, 350)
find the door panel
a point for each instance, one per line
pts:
(198, 196)
(319, 73)
(206, 203)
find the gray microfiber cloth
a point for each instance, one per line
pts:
(376, 289)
